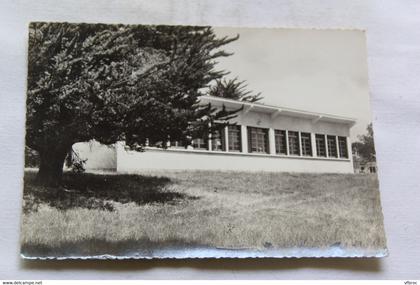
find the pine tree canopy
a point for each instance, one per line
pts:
(118, 82)
(233, 89)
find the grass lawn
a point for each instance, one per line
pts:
(117, 214)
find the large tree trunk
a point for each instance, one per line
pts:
(51, 167)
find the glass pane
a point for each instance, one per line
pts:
(218, 140)
(234, 133)
(258, 140)
(342, 144)
(294, 143)
(320, 145)
(332, 146)
(280, 141)
(306, 144)
(199, 143)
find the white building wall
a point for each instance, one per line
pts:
(159, 159)
(98, 156)
(118, 158)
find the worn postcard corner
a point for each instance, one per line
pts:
(198, 142)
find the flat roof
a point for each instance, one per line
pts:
(274, 111)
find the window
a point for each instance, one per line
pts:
(258, 140)
(372, 169)
(294, 146)
(342, 146)
(199, 143)
(158, 144)
(305, 139)
(177, 144)
(320, 145)
(280, 141)
(234, 138)
(218, 140)
(332, 146)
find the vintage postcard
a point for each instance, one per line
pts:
(189, 142)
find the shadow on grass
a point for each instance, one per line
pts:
(93, 191)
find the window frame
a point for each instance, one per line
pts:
(221, 137)
(334, 146)
(309, 138)
(260, 132)
(280, 136)
(291, 136)
(320, 148)
(234, 129)
(204, 143)
(342, 140)
(177, 144)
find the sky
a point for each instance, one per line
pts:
(314, 70)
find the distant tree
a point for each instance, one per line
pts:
(116, 82)
(365, 146)
(233, 89)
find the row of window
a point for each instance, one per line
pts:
(286, 142)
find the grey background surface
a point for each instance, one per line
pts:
(393, 40)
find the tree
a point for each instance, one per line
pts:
(365, 146)
(233, 89)
(116, 82)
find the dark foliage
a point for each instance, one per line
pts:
(31, 157)
(365, 147)
(116, 82)
(75, 162)
(233, 89)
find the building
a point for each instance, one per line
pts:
(261, 138)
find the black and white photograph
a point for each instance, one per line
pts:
(158, 141)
